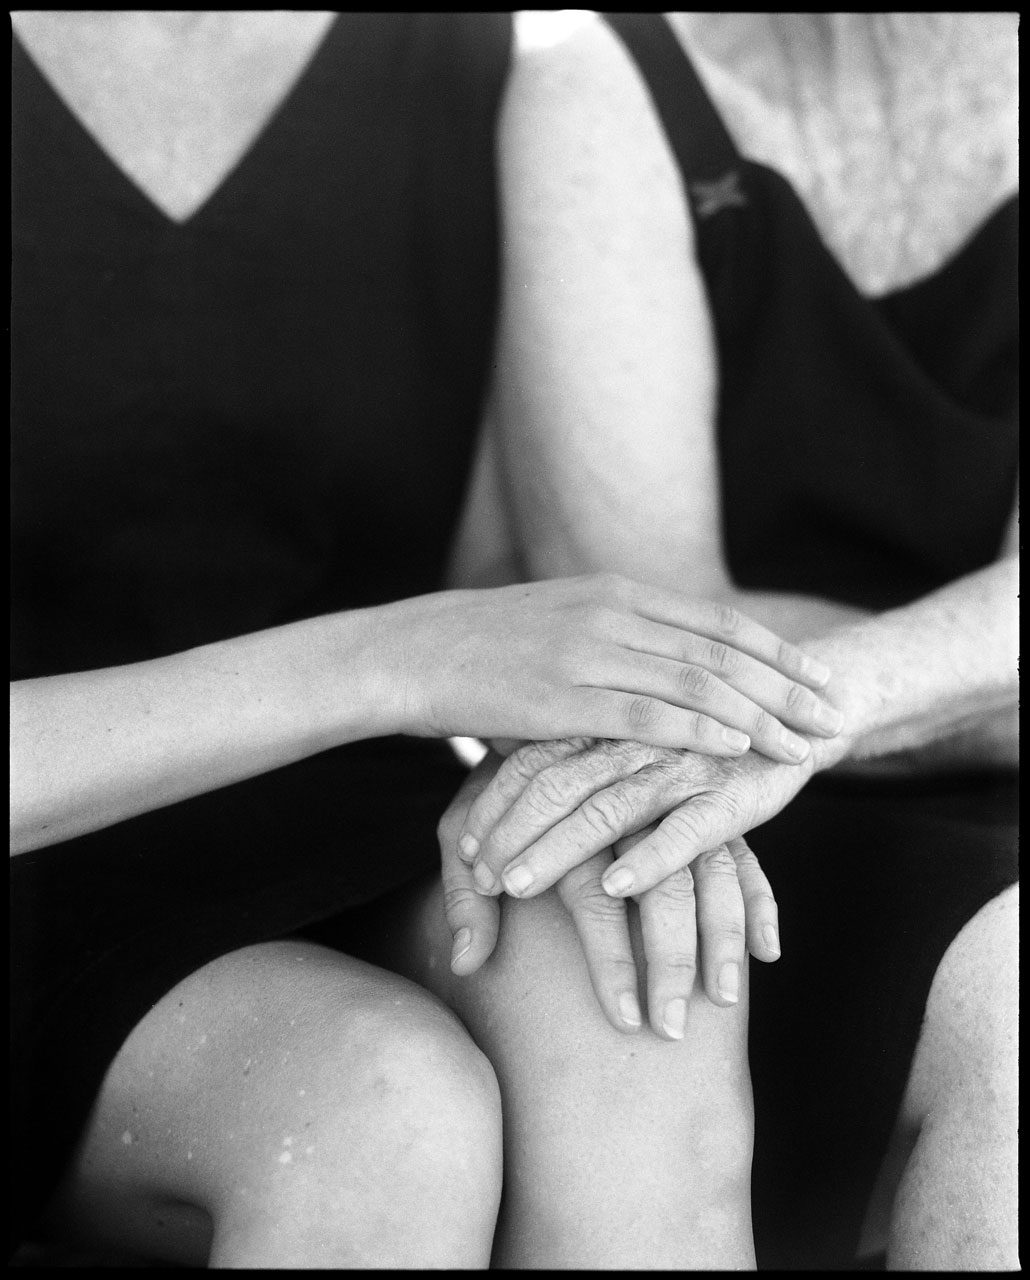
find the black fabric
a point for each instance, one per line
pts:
(869, 448)
(868, 453)
(261, 414)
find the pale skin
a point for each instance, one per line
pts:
(930, 686)
(186, 1154)
(618, 1222)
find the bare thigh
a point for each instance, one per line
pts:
(963, 1078)
(249, 1080)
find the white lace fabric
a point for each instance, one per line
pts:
(899, 131)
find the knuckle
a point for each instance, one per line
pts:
(682, 826)
(677, 891)
(718, 862)
(786, 655)
(607, 813)
(763, 725)
(549, 790)
(642, 712)
(622, 753)
(617, 967)
(527, 760)
(676, 961)
(702, 727)
(731, 930)
(592, 904)
(458, 900)
(723, 659)
(727, 620)
(749, 868)
(799, 700)
(744, 858)
(694, 682)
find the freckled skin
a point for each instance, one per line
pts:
(373, 1140)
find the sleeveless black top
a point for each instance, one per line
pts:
(257, 415)
(868, 448)
(265, 412)
(868, 453)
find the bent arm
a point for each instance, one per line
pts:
(606, 397)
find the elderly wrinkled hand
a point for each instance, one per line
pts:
(553, 805)
(702, 920)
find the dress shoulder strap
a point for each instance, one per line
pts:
(695, 131)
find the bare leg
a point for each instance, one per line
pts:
(621, 1151)
(290, 1107)
(947, 1199)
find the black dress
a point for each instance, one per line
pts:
(258, 415)
(868, 454)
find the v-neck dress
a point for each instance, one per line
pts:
(260, 414)
(868, 454)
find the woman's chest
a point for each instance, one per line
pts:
(174, 106)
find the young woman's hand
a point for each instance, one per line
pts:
(700, 922)
(552, 806)
(600, 656)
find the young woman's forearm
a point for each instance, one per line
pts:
(93, 748)
(936, 679)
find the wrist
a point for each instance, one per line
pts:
(403, 648)
(860, 702)
(340, 672)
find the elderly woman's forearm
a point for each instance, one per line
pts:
(938, 676)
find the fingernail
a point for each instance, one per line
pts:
(797, 748)
(675, 1019)
(816, 671)
(484, 878)
(462, 942)
(829, 719)
(468, 847)
(729, 982)
(735, 740)
(629, 1009)
(517, 880)
(618, 882)
(772, 938)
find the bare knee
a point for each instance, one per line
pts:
(302, 1100)
(588, 1087)
(430, 1089)
(622, 1150)
(969, 1045)
(387, 1137)
(956, 1205)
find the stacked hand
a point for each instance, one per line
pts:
(550, 805)
(604, 657)
(718, 906)
(610, 819)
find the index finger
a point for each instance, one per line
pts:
(703, 822)
(473, 920)
(555, 793)
(603, 928)
(490, 804)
